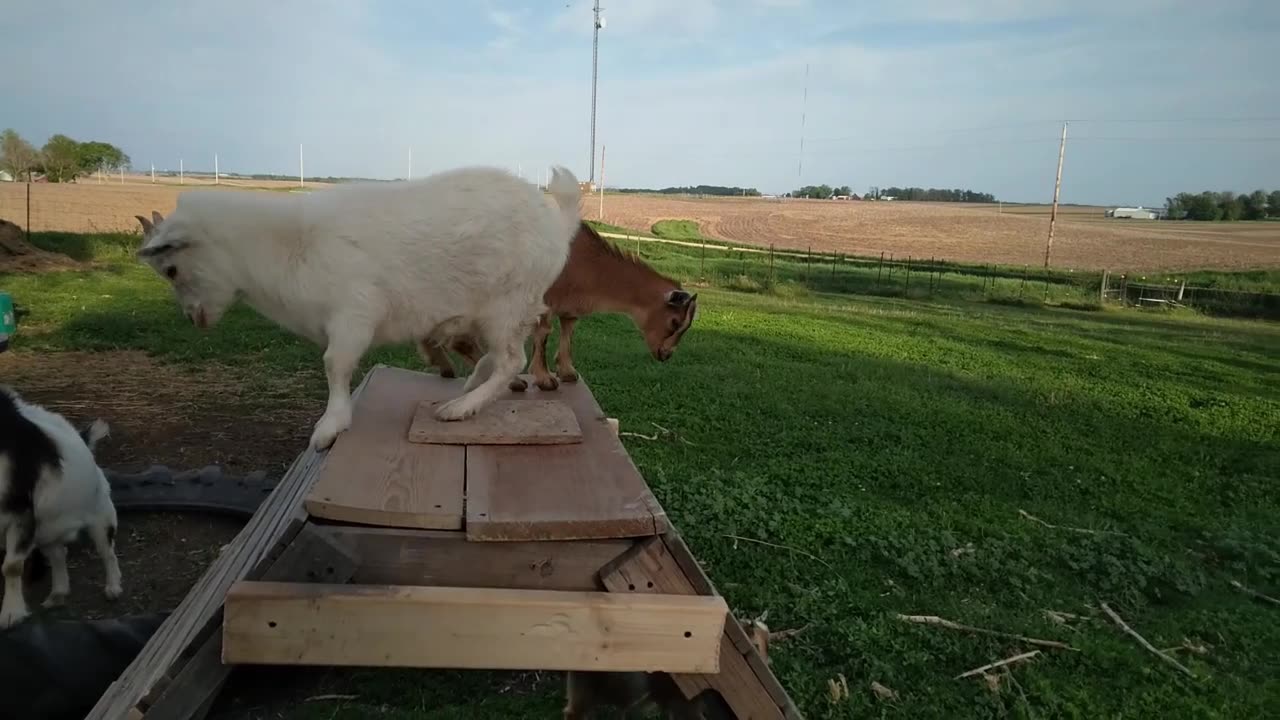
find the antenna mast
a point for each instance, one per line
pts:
(595, 60)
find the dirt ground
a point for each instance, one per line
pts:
(159, 415)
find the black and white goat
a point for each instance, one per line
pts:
(51, 489)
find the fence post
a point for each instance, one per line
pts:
(28, 213)
(771, 274)
(1023, 286)
(742, 261)
(808, 260)
(1182, 287)
(880, 269)
(1102, 292)
(890, 266)
(931, 271)
(833, 266)
(907, 289)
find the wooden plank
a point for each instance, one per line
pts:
(469, 628)
(312, 556)
(273, 519)
(650, 568)
(433, 557)
(375, 476)
(517, 421)
(589, 490)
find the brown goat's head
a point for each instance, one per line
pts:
(665, 323)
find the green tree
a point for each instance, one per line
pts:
(843, 190)
(1231, 207)
(17, 156)
(97, 156)
(1205, 207)
(1255, 205)
(1273, 204)
(61, 159)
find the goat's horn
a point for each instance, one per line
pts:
(157, 217)
(146, 224)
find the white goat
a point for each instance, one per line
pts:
(51, 489)
(464, 251)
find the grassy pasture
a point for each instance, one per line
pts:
(885, 447)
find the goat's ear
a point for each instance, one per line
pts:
(678, 298)
(157, 217)
(147, 227)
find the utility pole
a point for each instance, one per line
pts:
(215, 168)
(602, 183)
(595, 61)
(804, 108)
(153, 173)
(1057, 186)
(182, 176)
(302, 178)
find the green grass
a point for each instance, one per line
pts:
(891, 444)
(678, 230)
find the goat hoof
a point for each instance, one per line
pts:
(456, 409)
(327, 431)
(55, 600)
(570, 376)
(518, 385)
(9, 619)
(547, 383)
(113, 592)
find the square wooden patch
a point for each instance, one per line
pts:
(505, 422)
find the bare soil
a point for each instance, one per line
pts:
(1084, 238)
(159, 415)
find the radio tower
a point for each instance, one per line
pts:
(595, 59)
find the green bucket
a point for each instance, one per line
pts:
(8, 325)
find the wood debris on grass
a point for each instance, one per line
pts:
(662, 433)
(331, 698)
(838, 688)
(1254, 593)
(1021, 657)
(951, 625)
(1143, 641)
(736, 538)
(882, 692)
(1028, 516)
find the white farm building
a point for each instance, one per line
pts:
(1138, 213)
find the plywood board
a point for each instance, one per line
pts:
(374, 476)
(519, 421)
(470, 628)
(436, 557)
(588, 490)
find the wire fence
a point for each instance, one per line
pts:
(109, 205)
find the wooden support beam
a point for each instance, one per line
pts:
(744, 682)
(394, 556)
(272, 524)
(469, 628)
(311, 556)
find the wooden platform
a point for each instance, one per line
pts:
(460, 555)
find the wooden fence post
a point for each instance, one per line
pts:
(907, 289)
(1102, 292)
(880, 269)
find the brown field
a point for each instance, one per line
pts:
(1084, 239)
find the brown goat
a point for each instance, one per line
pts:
(597, 277)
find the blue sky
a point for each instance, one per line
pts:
(1163, 95)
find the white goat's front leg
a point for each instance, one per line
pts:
(348, 341)
(18, 542)
(493, 373)
(56, 553)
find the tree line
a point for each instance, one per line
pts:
(821, 192)
(717, 190)
(62, 159)
(1227, 206)
(930, 194)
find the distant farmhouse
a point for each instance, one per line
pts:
(1134, 213)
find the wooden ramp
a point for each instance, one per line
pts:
(504, 545)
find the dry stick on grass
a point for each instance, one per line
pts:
(736, 538)
(1033, 518)
(1254, 593)
(1143, 641)
(941, 622)
(999, 663)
